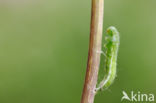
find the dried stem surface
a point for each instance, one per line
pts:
(94, 51)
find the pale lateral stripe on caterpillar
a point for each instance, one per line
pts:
(112, 45)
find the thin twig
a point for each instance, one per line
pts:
(94, 48)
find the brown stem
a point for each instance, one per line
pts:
(94, 49)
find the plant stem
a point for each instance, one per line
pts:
(94, 49)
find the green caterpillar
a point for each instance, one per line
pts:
(112, 45)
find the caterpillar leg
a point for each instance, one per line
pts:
(101, 52)
(98, 89)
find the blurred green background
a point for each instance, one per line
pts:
(44, 49)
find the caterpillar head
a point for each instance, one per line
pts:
(112, 35)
